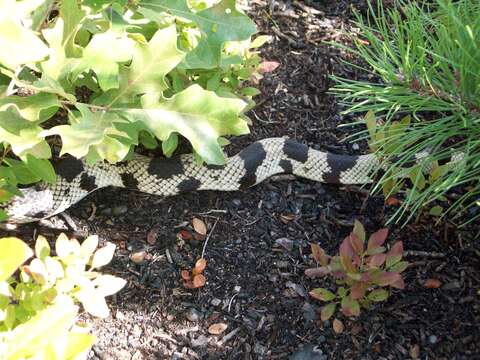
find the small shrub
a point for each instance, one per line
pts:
(361, 272)
(37, 306)
(426, 55)
(106, 76)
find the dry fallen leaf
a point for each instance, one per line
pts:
(185, 274)
(286, 218)
(185, 235)
(217, 329)
(268, 66)
(337, 326)
(391, 201)
(414, 351)
(138, 257)
(199, 281)
(432, 284)
(200, 265)
(199, 226)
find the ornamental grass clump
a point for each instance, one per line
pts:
(426, 57)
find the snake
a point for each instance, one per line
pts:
(165, 176)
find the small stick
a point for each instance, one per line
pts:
(433, 254)
(208, 237)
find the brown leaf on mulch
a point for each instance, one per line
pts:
(199, 226)
(217, 329)
(338, 326)
(432, 284)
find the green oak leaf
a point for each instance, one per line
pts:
(72, 16)
(97, 135)
(199, 115)
(41, 168)
(18, 172)
(32, 13)
(36, 108)
(150, 63)
(18, 44)
(105, 63)
(218, 24)
(48, 85)
(97, 5)
(23, 136)
(63, 51)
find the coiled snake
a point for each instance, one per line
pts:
(170, 176)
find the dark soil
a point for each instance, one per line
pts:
(258, 240)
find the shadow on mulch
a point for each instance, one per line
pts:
(255, 283)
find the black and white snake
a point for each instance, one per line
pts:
(170, 176)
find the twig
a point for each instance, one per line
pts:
(286, 37)
(230, 335)
(427, 254)
(69, 221)
(307, 9)
(231, 301)
(213, 211)
(94, 211)
(208, 237)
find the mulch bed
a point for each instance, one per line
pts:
(258, 240)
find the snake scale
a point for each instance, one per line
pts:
(170, 176)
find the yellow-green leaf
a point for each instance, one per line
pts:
(218, 24)
(199, 115)
(99, 132)
(43, 329)
(327, 311)
(13, 253)
(18, 44)
(89, 245)
(105, 63)
(103, 255)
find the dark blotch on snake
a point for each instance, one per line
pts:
(296, 151)
(164, 168)
(214, 167)
(286, 166)
(189, 184)
(129, 181)
(87, 182)
(37, 215)
(252, 156)
(338, 164)
(69, 168)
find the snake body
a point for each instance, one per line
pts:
(170, 176)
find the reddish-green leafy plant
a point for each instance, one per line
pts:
(362, 272)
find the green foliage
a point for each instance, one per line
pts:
(427, 55)
(37, 307)
(361, 271)
(125, 74)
